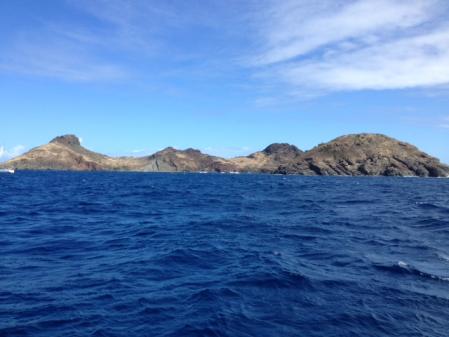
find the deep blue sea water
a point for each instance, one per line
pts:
(129, 254)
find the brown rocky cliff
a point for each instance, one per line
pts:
(366, 154)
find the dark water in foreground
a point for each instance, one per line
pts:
(123, 254)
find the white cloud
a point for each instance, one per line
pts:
(329, 45)
(71, 51)
(297, 27)
(6, 154)
(419, 61)
(59, 59)
(103, 40)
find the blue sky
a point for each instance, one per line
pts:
(227, 77)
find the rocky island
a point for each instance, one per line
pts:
(350, 155)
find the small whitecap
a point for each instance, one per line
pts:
(402, 264)
(443, 257)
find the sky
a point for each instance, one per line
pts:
(130, 77)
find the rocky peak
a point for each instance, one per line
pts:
(68, 140)
(169, 149)
(192, 151)
(281, 148)
(172, 150)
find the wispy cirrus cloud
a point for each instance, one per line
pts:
(418, 61)
(329, 45)
(59, 59)
(117, 39)
(281, 48)
(293, 28)
(93, 44)
(68, 52)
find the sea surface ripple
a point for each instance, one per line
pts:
(134, 254)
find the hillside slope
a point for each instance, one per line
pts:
(366, 154)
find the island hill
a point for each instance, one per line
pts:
(351, 155)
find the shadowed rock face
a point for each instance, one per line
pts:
(282, 152)
(361, 154)
(190, 160)
(366, 154)
(281, 149)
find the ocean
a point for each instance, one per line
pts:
(137, 254)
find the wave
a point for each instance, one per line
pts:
(443, 256)
(430, 224)
(434, 207)
(279, 280)
(404, 268)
